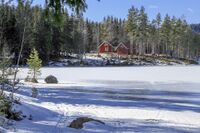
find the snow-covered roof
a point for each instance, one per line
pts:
(105, 42)
(122, 44)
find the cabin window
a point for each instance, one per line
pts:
(106, 48)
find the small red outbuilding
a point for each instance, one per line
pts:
(122, 49)
(105, 47)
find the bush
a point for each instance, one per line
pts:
(34, 80)
(51, 79)
(4, 104)
(28, 79)
(5, 109)
(34, 92)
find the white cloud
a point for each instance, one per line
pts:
(153, 7)
(190, 10)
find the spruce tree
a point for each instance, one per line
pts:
(143, 30)
(131, 26)
(165, 33)
(34, 63)
(158, 32)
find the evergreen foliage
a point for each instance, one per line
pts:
(4, 104)
(196, 27)
(34, 63)
(4, 69)
(168, 35)
(57, 6)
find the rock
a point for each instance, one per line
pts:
(2, 121)
(78, 123)
(51, 79)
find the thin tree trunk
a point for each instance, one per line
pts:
(188, 51)
(18, 60)
(131, 48)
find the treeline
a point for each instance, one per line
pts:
(33, 26)
(196, 27)
(171, 36)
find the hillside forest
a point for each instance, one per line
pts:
(29, 25)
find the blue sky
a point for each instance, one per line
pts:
(119, 8)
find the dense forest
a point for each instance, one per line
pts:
(196, 27)
(29, 26)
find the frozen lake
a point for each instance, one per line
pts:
(127, 99)
(149, 74)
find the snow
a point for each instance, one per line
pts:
(126, 99)
(2, 130)
(2, 124)
(95, 60)
(149, 74)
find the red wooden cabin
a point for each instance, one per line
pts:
(105, 47)
(122, 49)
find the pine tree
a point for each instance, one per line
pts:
(173, 36)
(103, 32)
(4, 67)
(153, 36)
(165, 33)
(131, 26)
(158, 32)
(43, 39)
(34, 63)
(143, 30)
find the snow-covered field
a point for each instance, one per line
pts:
(127, 99)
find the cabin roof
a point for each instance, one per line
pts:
(105, 42)
(122, 44)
